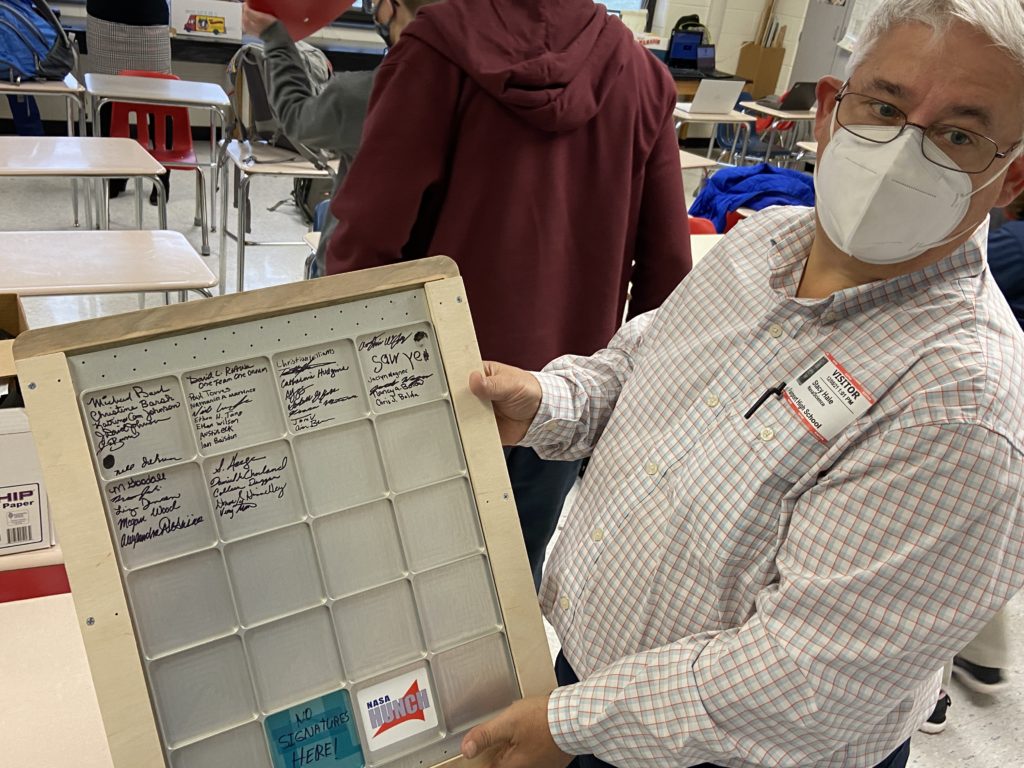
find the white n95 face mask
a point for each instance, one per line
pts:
(887, 203)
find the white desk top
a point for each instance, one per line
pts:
(69, 86)
(713, 117)
(48, 710)
(808, 146)
(688, 161)
(779, 114)
(312, 240)
(701, 244)
(271, 161)
(74, 156)
(151, 90)
(86, 262)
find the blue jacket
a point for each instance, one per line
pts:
(1006, 260)
(755, 186)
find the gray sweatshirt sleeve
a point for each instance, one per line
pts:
(334, 119)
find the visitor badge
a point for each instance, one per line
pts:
(827, 399)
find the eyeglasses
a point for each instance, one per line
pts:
(948, 146)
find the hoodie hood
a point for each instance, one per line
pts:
(551, 62)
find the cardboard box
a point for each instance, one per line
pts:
(761, 67)
(210, 19)
(24, 511)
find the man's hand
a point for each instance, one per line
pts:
(517, 738)
(255, 22)
(516, 396)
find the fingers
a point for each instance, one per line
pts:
(484, 737)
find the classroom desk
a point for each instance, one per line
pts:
(778, 116)
(73, 94)
(103, 89)
(48, 710)
(76, 263)
(689, 161)
(808, 151)
(740, 119)
(84, 157)
(249, 162)
(701, 244)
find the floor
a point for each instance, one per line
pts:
(983, 732)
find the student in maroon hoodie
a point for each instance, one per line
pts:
(533, 142)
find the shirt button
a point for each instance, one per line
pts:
(712, 401)
(767, 434)
(775, 330)
(828, 317)
(651, 469)
(597, 534)
(564, 602)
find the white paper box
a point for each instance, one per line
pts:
(24, 516)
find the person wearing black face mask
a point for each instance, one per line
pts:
(390, 17)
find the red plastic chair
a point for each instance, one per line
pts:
(701, 226)
(166, 133)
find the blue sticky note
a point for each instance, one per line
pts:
(318, 734)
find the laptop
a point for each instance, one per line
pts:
(800, 98)
(714, 97)
(689, 59)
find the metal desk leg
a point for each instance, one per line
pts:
(87, 184)
(104, 205)
(711, 140)
(243, 211)
(746, 141)
(74, 181)
(161, 201)
(138, 202)
(222, 254)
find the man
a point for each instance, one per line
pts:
(806, 485)
(331, 120)
(532, 142)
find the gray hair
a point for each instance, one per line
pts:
(1002, 21)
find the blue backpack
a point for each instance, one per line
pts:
(33, 44)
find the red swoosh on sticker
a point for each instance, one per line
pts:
(417, 715)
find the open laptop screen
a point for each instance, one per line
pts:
(706, 58)
(682, 50)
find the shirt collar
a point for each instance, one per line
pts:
(791, 245)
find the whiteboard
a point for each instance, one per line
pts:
(297, 533)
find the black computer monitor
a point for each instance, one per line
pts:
(682, 49)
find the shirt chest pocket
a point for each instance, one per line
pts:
(732, 493)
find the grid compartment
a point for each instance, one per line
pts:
(254, 490)
(340, 468)
(181, 603)
(138, 427)
(160, 515)
(439, 524)
(401, 367)
(294, 659)
(243, 746)
(274, 574)
(398, 713)
(456, 603)
(359, 548)
(234, 405)
(378, 630)
(475, 681)
(203, 691)
(420, 446)
(321, 385)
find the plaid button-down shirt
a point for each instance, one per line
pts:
(735, 591)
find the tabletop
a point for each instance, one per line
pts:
(48, 711)
(701, 244)
(75, 156)
(780, 114)
(689, 161)
(87, 262)
(69, 86)
(151, 90)
(713, 117)
(808, 146)
(260, 159)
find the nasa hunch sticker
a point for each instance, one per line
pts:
(827, 398)
(398, 709)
